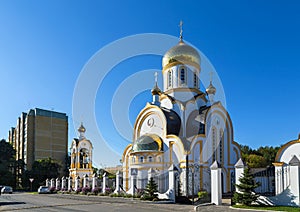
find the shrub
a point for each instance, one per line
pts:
(78, 190)
(113, 195)
(85, 190)
(128, 195)
(107, 191)
(246, 194)
(151, 189)
(202, 194)
(96, 190)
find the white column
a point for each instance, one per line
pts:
(133, 184)
(63, 183)
(216, 186)
(104, 182)
(52, 183)
(172, 183)
(183, 180)
(239, 170)
(85, 180)
(117, 190)
(70, 184)
(47, 183)
(57, 184)
(295, 179)
(94, 181)
(77, 183)
(278, 178)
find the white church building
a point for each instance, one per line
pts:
(287, 174)
(183, 128)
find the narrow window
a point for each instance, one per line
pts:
(142, 159)
(221, 145)
(182, 76)
(214, 144)
(169, 79)
(150, 159)
(195, 80)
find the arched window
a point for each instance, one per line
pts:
(182, 75)
(141, 159)
(150, 159)
(169, 79)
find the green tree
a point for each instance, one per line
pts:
(41, 170)
(268, 153)
(256, 161)
(7, 163)
(259, 158)
(151, 189)
(246, 194)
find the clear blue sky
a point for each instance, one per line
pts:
(253, 45)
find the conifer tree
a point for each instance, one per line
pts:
(151, 188)
(245, 194)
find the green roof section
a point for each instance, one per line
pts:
(148, 142)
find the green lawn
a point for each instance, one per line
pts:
(273, 208)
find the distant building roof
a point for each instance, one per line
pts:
(47, 113)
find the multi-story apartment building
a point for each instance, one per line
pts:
(40, 134)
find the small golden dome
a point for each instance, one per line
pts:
(181, 53)
(155, 90)
(81, 128)
(211, 89)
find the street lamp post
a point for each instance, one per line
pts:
(31, 180)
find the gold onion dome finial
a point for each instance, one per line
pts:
(155, 90)
(182, 54)
(211, 89)
(81, 128)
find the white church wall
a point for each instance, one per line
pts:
(289, 152)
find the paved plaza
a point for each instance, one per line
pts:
(59, 202)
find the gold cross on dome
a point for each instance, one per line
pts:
(211, 76)
(181, 30)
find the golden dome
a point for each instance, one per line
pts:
(155, 90)
(183, 54)
(211, 89)
(81, 128)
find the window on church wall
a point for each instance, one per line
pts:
(133, 159)
(150, 159)
(169, 79)
(182, 75)
(214, 144)
(141, 159)
(221, 146)
(195, 80)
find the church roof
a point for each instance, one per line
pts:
(181, 53)
(148, 142)
(294, 161)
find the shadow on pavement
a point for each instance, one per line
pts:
(11, 203)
